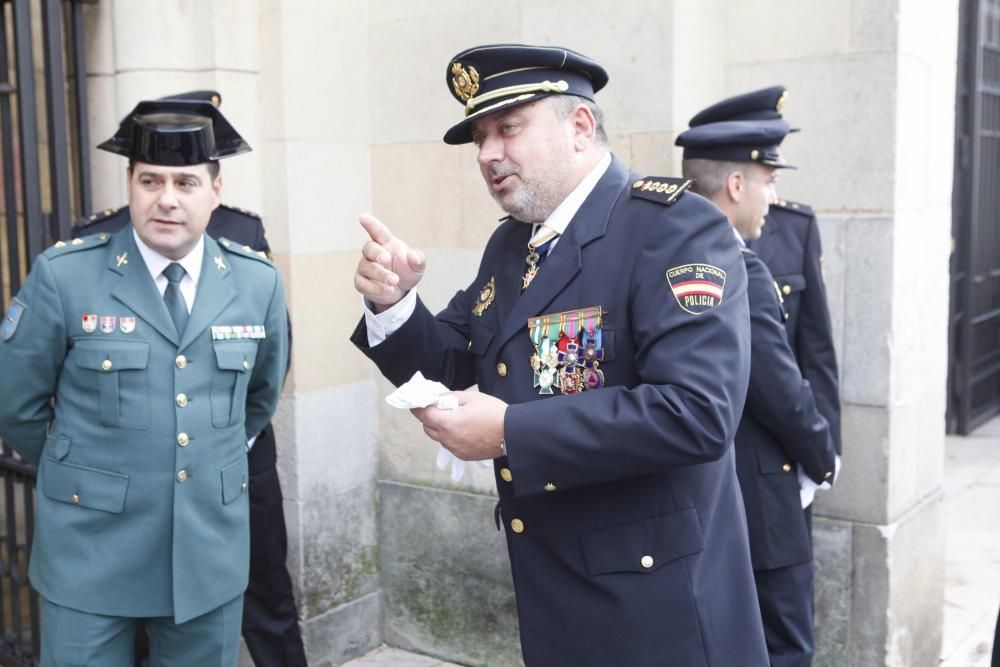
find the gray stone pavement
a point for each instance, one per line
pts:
(972, 570)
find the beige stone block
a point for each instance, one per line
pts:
(861, 492)
(698, 69)
(107, 170)
(235, 26)
(409, 52)
(654, 154)
(754, 30)
(633, 46)
(874, 25)
(325, 84)
(335, 437)
(274, 194)
(175, 35)
(325, 308)
(432, 195)
(839, 171)
(99, 46)
(134, 86)
(328, 187)
(243, 174)
(916, 450)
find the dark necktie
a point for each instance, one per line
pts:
(173, 298)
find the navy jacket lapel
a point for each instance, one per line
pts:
(214, 292)
(136, 288)
(564, 263)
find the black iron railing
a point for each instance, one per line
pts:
(44, 155)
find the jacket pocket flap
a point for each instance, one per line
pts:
(86, 487)
(234, 357)
(645, 545)
(92, 355)
(234, 481)
(790, 283)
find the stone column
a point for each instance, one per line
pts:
(872, 87)
(313, 95)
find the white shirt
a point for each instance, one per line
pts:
(382, 325)
(191, 262)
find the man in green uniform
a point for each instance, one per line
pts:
(137, 365)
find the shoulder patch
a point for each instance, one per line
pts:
(8, 327)
(697, 287)
(244, 211)
(81, 243)
(94, 218)
(797, 207)
(661, 189)
(244, 250)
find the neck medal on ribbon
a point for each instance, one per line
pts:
(568, 351)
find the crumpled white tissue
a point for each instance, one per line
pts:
(419, 392)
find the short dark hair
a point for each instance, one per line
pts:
(564, 105)
(213, 167)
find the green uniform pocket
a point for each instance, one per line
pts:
(235, 361)
(117, 370)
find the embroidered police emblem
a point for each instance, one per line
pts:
(697, 287)
(486, 297)
(8, 327)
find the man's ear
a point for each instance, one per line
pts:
(584, 127)
(735, 186)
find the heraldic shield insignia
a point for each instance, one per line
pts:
(697, 287)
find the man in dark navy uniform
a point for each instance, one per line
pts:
(270, 618)
(782, 433)
(608, 333)
(790, 246)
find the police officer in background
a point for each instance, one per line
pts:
(606, 329)
(782, 433)
(270, 618)
(790, 246)
(138, 365)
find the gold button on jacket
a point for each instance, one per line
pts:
(182, 476)
(106, 365)
(517, 525)
(787, 467)
(182, 439)
(550, 487)
(181, 361)
(182, 400)
(505, 474)
(786, 290)
(647, 561)
(502, 369)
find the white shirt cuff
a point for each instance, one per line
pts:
(382, 325)
(250, 443)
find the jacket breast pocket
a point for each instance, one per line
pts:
(86, 487)
(234, 366)
(643, 546)
(234, 480)
(118, 372)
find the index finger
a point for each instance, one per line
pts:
(378, 232)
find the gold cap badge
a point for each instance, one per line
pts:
(782, 99)
(465, 83)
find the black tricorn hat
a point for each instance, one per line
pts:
(175, 132)
(497, 77)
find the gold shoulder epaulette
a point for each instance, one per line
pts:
(661, 189)
(244, 250)
(82, 243)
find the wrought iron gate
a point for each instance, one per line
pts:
(43, 159)
(974, 336)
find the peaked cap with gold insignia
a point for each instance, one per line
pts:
(497, 77)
